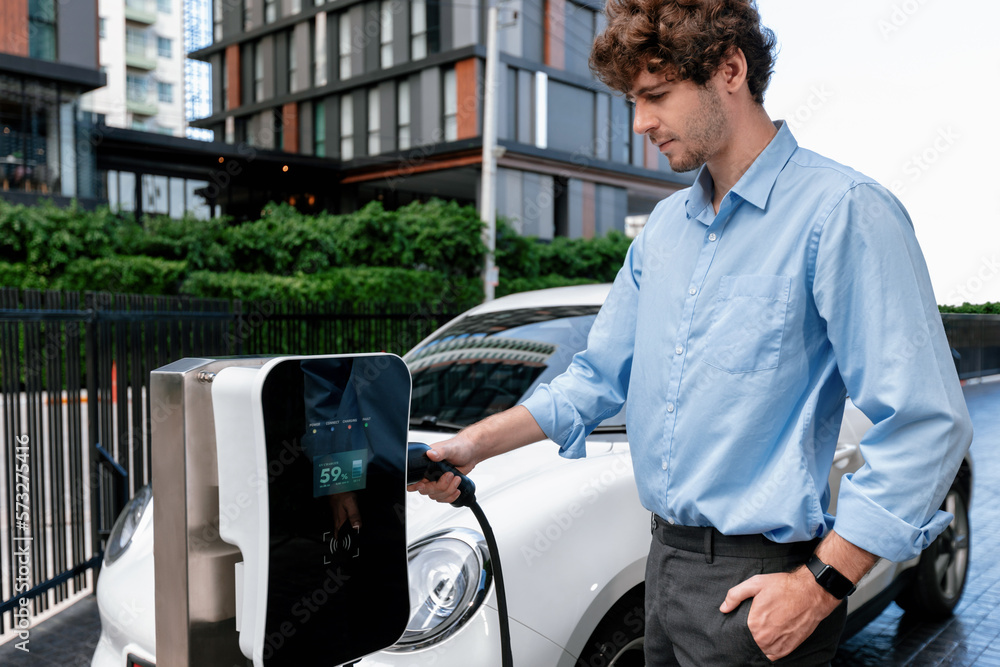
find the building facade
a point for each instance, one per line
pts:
(142, 54)
(48, 59)
(393, 90)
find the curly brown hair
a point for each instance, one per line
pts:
(690, 37)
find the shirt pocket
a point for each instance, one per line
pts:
(748, 323)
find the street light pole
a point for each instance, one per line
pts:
(488, 186)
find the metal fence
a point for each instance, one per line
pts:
(77, 421)
(975, 342)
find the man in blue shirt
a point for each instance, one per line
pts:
(746, 311)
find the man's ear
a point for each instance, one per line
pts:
(733, 70)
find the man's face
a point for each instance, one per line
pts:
(685, 121)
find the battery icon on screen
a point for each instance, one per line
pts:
(356, 468)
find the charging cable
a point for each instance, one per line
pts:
(418, 467)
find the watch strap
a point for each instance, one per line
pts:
(832, 581)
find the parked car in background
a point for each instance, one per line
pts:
(571, 533)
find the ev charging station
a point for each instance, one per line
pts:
(279, 519)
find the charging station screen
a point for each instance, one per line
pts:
(335, 433)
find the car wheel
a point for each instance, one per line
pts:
(943, 566)
(617, 639)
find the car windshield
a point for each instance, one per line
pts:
(487, 363)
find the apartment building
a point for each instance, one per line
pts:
(48, 59)
(393, 90)
(142, 54)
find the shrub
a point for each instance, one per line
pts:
(122, 274)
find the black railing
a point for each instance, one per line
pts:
(74, 380)
(975, 342)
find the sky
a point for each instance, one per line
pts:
(907, 92)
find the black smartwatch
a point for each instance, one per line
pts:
(833, 582)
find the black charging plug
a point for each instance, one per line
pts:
(419, 466)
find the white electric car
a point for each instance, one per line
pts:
(571, 533)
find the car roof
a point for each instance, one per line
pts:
(576, 295)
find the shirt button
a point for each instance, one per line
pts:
(664, 465)
(693, 291)
(679, 349)
(712, 236)
(671, 521)
(670, 407)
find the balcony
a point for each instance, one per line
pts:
(140, 59)
(140, 11)
(142, 107)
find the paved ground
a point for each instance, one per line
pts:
(971, 637)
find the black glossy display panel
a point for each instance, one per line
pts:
(336, 433)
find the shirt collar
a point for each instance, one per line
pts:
(756, 184)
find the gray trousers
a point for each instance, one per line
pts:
(689, 572)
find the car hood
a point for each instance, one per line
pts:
(493, 478)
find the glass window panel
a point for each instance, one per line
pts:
(346, 128)
(374, 121)
(385, 33)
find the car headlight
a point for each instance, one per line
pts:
(450, 574)
(128, 521)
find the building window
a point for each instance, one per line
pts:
(319, 129)
(247, 15)
(346, 127)
(293, 65)
(319, 50)
(135, 42)
(270, 11)
(385, 33)
(163, 6)
(103, 27)
(278, 122)
(296, 6)
(225, 81)
(165, 92)
(450, 105)
(403, 138)
(42, 29)
(258, 72)
(136, 87)
(374, 122)
(344, 46)
(165, 47)
(217, 20)
(418, 29)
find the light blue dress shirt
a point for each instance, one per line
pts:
(736, 337)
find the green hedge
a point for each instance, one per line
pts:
(358, 284)
(988, 308)
(430, 250)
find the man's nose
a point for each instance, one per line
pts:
(644, 120)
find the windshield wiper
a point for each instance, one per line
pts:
(432, 423)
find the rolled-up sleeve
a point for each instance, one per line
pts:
(595, 385)
(872, 289)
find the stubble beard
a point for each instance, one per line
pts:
(701, 133)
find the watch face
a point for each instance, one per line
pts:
(830, 579)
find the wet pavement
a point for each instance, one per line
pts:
(970, 637)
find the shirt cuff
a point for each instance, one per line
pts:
(569, 432)
(866, 524)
